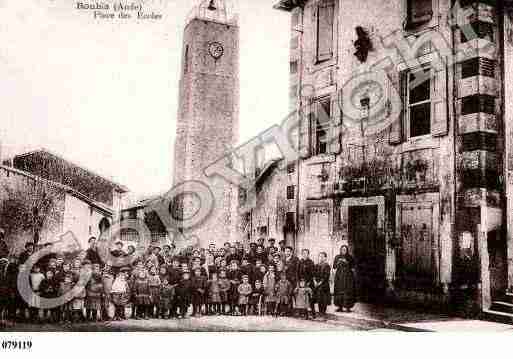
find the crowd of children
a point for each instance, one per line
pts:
(231, 280)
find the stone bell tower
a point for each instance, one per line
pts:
(208, 115)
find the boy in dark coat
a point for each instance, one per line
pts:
(248, 269)
(183, 294)
(167, 293)
(224, 290)
(175, 276)
(306, 271)
(49, 290)
(256, 298)
(321, 284)
(283, 291)
(234, 276)
(94, 298)
(141, 295)
(199, 286)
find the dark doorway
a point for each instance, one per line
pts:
(369, 252)
(497, 251)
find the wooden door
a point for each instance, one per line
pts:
(319, 231)
(416, 263)
(369, 252)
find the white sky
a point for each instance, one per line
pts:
(104, 93)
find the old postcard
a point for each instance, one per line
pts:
(255, 166)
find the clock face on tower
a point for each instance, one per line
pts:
(216, 50)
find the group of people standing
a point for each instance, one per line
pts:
(164, 283)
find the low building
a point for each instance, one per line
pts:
(43, 196)
(141, 210)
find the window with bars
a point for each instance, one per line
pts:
(419, 98)
(291, 192)
(293, 67)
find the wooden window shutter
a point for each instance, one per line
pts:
(336, 125)
(306, 129)
(325, 20)
(439, 108)
(396, 129)
(420, 11)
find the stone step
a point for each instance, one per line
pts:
(498, 316)
(502, 306)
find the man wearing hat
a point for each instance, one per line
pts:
(118, 250)
(92, 252)
(291, 266)
(271, 242)
(233, 256)
(25, 255)
(282, 245)
(4, 250)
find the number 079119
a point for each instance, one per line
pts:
(16, 344)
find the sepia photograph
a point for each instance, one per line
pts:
(243, 166)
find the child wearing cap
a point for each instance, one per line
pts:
(154, 282)
(49, 290)
(142, 296)
(64, 287)
(244, 291)
(234, 275)
(167, 293)
(260, 271)
(224, 290)
(107, 281)
(120, 294)
(255, 300)
(94, 291)
(183, 294)
(283, 291)
(269, 284)
(199, 286)
(214, 295)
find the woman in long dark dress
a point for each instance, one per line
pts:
(344, 291)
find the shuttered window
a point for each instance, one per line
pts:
(321, 124)
(419, 102)
(419, 12)
(325, 20)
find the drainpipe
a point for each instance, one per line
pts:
(454, 234)
(300, 122)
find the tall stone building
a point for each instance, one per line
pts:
(404, 116)
(208, 114)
